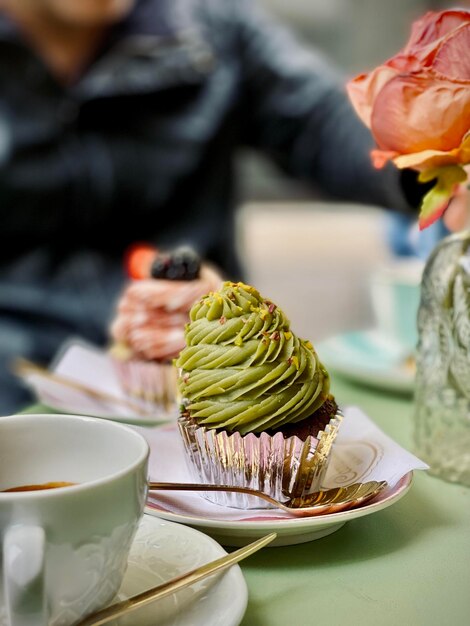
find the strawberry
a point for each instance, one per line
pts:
(139, 259)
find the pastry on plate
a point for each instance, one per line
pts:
(256, 404)
(148, 328)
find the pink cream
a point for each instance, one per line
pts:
(152, 313)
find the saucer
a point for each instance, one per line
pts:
(361, 452)
(371, 358)
(289, 531)
(163, 550)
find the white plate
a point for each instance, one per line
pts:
(163, 550)
(84, 364)
(289, 531)
(362, 452)
(368, 357)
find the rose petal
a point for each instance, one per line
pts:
(381, 157)
(449, 60)
(421, 112)
(364, 89)
(435, 158)
(431, 28)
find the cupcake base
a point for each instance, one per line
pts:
(150, 381)
(283, 467)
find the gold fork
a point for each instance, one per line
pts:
(318, 503)
(22, 367)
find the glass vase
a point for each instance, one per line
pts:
(442, 396)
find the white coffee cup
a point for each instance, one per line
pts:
(395, 290)
(65, 549)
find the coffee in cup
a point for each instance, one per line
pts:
(51, 485)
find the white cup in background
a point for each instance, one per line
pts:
(395, 290)
(65, 550)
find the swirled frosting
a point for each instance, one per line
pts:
(243, 369)
(152, 313)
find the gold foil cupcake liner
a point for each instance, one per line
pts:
(154, 383)
(281, 467)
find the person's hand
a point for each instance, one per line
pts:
(457, 215)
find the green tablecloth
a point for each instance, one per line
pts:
(408, 565)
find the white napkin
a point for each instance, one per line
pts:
(361, 452)
(86, 364)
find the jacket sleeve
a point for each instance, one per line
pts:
(295, 109)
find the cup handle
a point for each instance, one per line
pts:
(23, 574)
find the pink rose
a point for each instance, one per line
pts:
(417, 105)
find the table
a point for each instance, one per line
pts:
(408, 565)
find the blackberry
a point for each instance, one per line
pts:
(159, 266)
(181, 264)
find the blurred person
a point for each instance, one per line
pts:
(120, 121)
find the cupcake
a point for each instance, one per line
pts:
(148, 329)
(256, 405)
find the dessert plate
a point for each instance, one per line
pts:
(370, 358)
(163, 550)
(290, 531)
(79, 367)
(361, 452)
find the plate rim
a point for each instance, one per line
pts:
(295, 525)
(235, 572)
(392, 378)
(149, 422)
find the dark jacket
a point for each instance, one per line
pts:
(142, 147)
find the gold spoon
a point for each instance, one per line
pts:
(318, 503)
(160, 591)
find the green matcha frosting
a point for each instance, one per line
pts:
(243, 369)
